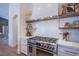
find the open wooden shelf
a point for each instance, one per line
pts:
(54, 17)
(44, 19)
(68, 27)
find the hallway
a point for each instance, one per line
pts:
(5, 50)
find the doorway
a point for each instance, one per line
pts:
(15, 30)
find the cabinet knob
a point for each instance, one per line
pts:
(70, 52)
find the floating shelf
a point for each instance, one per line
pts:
(54, 17)
(68, 27)
(45, 19)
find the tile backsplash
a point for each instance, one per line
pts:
(51, 29)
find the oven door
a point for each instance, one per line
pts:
(41, 52)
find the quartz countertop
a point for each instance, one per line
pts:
(63, 42)
(68, 43)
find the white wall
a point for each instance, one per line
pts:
(4, 10)
(73, 33)
(47, 28)
(44, 9)
(26, 12)
(13, 10)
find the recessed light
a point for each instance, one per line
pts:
(39, 8)
(49, 5)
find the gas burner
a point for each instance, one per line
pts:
(44, 43)
(44, 39)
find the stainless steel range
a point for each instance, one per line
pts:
(42, 46)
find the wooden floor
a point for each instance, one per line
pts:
(5, 50)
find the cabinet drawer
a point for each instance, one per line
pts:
(69, 51)
(24, 50)
(61, 53)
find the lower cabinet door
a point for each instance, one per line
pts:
(62, 54)
(64, 51)
(24, 50)
(67, 53)
(24, 46)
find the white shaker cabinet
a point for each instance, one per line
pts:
(68, 51)
(66, 48)
(24, 46)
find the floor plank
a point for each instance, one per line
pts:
(5, 50)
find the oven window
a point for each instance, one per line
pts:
(43, 53)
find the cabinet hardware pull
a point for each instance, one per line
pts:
(70, 52)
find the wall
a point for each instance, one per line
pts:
(13, 10)
(73, 33)
(26, 12)
(47, 28)
(51, 28)
(4, 10)
(44, 9)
